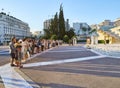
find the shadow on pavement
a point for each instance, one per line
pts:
(53, 85)
(100, 67)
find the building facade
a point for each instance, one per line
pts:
(79, 28)
(37, 34)
(94, 26)
(76, 27)
(67, 25)
(11, 26)
(112, 35)
(117, 22)
(47, 23)
(106, 23)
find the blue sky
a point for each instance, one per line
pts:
(34, 12)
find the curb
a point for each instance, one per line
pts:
(1, 83)
(27, 78)
(32, 83)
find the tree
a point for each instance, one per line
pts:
(35, 36)
(70, 33)
(66, 39)
(54, 37)
(92, 31)
(61, 23)
(56, 24)
(47, 33)
(84, 29)
(53, 29)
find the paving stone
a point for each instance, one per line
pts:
(97, 73)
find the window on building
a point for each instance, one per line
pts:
(0, 16)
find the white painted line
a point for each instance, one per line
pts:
(97, 52)
(12, 79)
(61, 61)
(71, 48)
(4, 53)
(66, 51)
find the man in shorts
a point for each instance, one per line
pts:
(12, 50)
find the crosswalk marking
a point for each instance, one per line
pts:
(61, 61)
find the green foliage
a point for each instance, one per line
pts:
(35, 36)
(61, 23)
(70, 33)
(81, 40)
(47, 34)
(43, 37)
(74, 37)
(66, 39)
(57, 26)
(92, 31)
(101, 41)
(84, 29)
(54, 37)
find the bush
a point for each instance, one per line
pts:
(66, 39)
(81, 40)
(101, 41)
(54, 37)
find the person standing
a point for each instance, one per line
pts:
(24, 49)
(18, 54)
(12, 50)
